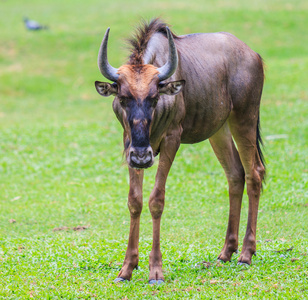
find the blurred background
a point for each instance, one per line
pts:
(60, 139)
(61, 146)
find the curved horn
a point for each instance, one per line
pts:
(170, 66)
(106, 69)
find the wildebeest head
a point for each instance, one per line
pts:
(137, 88)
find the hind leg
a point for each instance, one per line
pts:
(244, 131)
(225, 150)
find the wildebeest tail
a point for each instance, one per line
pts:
(259, 143)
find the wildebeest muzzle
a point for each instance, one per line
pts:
(140, 157)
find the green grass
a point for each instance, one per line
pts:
(61, 159)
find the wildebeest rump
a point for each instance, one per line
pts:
(186, 89)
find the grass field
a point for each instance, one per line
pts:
(61, 164)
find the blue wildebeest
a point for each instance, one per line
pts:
(186, 89)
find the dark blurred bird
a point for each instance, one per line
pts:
(33, 25)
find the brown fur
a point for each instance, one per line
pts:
(137, 81)
(220, 102)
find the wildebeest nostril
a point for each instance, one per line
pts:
(150, 151)
(141, 153)
(141, 157)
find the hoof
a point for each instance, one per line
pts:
(242, 264)
(219, 259)
(153, 281)
(119, 279)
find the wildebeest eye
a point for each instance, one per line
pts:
(122, 101)
(154, 101)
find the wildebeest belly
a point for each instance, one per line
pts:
(204, 117)
(206, 96)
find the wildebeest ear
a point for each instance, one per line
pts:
(106, 89)
(171, 88)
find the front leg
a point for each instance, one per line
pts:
(135, 208)
(168, 149)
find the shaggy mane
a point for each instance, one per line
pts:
(139, 41)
